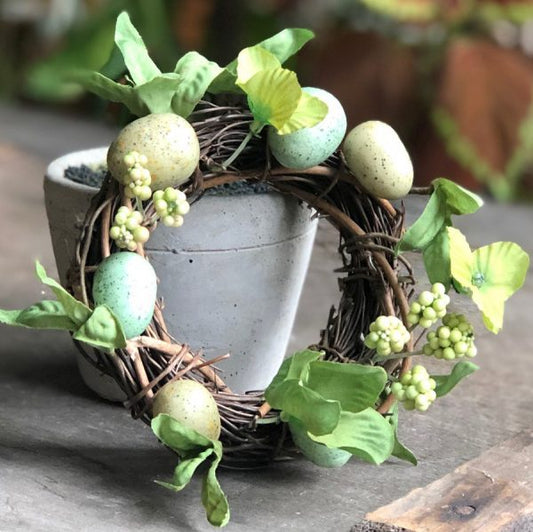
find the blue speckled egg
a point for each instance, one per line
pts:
(310, 146)
(127, 284)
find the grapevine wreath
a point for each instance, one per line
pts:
(203, 126)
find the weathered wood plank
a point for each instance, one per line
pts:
(492, 492)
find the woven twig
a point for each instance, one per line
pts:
(373, 282)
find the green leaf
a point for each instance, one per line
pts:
(157, 95)
(491, 274)
(110, 90)
(273, 96)
(196, 74)
(308, 113)
(355, 386)
(426, 227)
(213, 498)
(253, 60)
(293, 368)
(366, 434)
(140, 66)
(445, 383)
(102, 329)
(437, 259)
(42, 315)
(78, 312)
(399, 450)
(319, 415)
(194, 448)
(282, 45)
(458, 200)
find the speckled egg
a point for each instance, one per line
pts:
(127, 284)
(318, 453)
(377, 157)
(310, 146)
(168, 141)
(191, 404)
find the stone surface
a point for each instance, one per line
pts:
(71, 462)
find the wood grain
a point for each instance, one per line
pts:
(490, 493)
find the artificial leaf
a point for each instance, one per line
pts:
(282, 45)
(213, 498)
(196, 73)
(445, 383)
(437, 259)
(252, 60)
(78, 312)
(42, 315)
(366, 434)
(273, 95)
(139, 64)
(157, 95)
(426, 227)
(319, 415)
(102, 329)
(110, 90)
(458, 200)
(194, 448)
(309, 112)
(399, 450)
(490, 274)
(295, 367)
(355, 386)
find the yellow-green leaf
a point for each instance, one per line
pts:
(273, 96)
(252, 60)
(461, 259)
(308, 113)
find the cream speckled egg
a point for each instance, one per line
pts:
(127, 284)
(377, 157)
(168, 141)
(191, 404)
(310, 146)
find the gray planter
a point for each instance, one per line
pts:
(230, 278)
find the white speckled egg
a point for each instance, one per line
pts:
(127, 284)
(168, 141)
(377, 157)
(191, 404)
(310, 146)
(318, 453)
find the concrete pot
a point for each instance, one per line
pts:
(230, 278)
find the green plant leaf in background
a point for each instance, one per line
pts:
(157, 95)
(42, 315)
(428, 233)
(139, 64)
(399, 450)
(445, 383)
(194, 448)
(490, 274)
(282, 45)
(101, 329)
(366, 434)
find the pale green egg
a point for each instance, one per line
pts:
(167, 140)
(127, 284)
(310, 146)
(191, 404)
(318, 453)
(378, 158)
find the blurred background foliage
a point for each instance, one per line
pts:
(454, 77)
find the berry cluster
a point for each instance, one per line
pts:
(415, 389)
(387, 335)
(453, 339)
(138, 179)
(171, 205)
(429, 307)
(127, 231)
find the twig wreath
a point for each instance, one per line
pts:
(336, 398)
